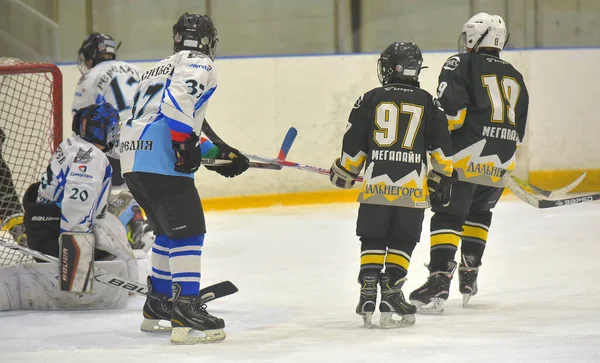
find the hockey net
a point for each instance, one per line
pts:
(30, 131)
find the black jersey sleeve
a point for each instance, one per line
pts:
(453, 90)
(438, 140)
(355, 143)
(521, 112)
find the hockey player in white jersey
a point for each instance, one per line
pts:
(105, 79)
(73, 192)
(160, 151)
(71, 197)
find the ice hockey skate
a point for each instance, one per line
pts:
(393, 303)
(368, 298)
(157, 308)
(189, 317)
(430, 298)
(467, 277)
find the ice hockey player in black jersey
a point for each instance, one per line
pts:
(486, 103)
(390, 129)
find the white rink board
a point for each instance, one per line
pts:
(296, 269)
(258, 99)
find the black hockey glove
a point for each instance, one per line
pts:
(340, 177)
(239, 163)
(188, 155)
(440, 188)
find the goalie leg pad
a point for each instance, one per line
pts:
(76, 259)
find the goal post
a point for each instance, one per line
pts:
(30, 131)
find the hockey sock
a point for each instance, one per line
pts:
(475, 234)
(372, 256)
(161, 273)
(397, 259)
(184, 259)
(445, 236)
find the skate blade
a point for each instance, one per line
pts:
(435, 307)
(153, 326)
(387, 320)
(367, 319)
(183, 336)
(466, 298)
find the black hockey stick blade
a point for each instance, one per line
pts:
(545, 203)
(540, 201)
(217, 291)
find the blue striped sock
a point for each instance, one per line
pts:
(161, 271)
(184, 260)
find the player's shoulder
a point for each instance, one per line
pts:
(194, 60)
(456, 61)
(82, 151)
(365, 99)
(401, 92)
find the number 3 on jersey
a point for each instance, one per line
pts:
(387, 116)
(510, 90)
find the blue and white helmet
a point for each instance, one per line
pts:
(482, 31)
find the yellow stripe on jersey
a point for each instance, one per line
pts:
(399, 260)
(475, 232)
(456, 122)
(445, 239)
(438, 157)
(372, 259)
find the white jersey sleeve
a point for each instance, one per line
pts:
(78, 180)
(110, 81)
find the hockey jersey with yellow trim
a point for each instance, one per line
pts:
(390, 130)
(486, 103)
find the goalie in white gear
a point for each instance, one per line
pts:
(105, 79)
(73, 193)
(72, 197)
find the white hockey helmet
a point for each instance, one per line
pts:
(482, 31)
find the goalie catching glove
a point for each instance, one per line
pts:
(440, 188)
(239, 163)
(340, 177)
(188, 155)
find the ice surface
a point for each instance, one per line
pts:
(296, 270)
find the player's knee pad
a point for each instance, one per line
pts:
(404, 245)
(441, 220)
(480, 217)
(371, 243)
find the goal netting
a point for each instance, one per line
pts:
(30, 131)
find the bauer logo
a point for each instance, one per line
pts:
(44, 219)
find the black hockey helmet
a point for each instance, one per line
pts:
(195, 32)
(398, 62)
(98, 48)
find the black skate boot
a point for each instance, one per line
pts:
(189, 314)
(392, 302)
(430, 298)
(467, 277)
(157, 307)
(368, 298)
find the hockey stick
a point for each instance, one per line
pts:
(208, 293)
(551, 193)
(253, 164)
(515, 185)
(540, 201)
(286, 145)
